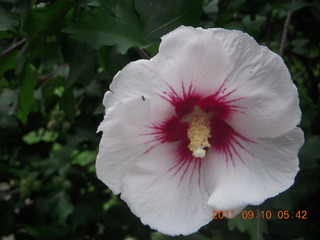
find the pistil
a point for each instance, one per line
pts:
(199, 134)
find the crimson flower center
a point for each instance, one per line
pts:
(200, 123)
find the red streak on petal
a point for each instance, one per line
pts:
(224, 139)
(184, 161)
(220, 103)
(185, 103)
(223, 96)
(171, 130)
(210, 104)
(185, 171)
(220, 107)
(187, 106)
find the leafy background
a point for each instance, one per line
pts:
(57, 60)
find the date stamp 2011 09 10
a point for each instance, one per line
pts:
(250, 214)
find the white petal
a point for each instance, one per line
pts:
(167, 202)
(192, 56)
(139, 78)
(187, 57)
(123, 142)
(269, 169)
(271, 100)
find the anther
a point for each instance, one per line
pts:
(199, 134)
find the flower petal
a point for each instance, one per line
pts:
(268, 168)
(123, 140)
(269, 99)
(139, 78)
(189, 59)
(193, 56)
(173, 202)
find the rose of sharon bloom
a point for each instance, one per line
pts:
(207, 124)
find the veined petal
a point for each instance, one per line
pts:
(184, 63)
(139, 78)
(173, 202)
(269, 99)
(193, 56)
(266, 169)
(123, 141)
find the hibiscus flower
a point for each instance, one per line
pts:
(209, 123)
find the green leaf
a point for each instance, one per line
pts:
(50, 86)
(111, 61)
(7, 63)
(84, 158)
(41, 27)
(292, 229)
(298, 5)
(310, 153)
(7, 100)
(284, 201)
(63, 207)
(82, 65)
(161, 17)
(123, 29)
(253, 25)
(308, 108)
(39, 23)
(34, 137)
(21, 6)
(300, 46)
(22, 59)
(7, 21)
(28, 185)
(247, 225)
(3, 82)
(67, 104)
(26, 99)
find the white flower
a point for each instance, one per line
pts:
(207, 124)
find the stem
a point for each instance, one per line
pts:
(13, 48)
(268, 28)
(52, 74)
(142, 53)
(259, 226)
(285, 30)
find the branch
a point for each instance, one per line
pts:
(268, 28)
(142, 53)
(285, 29)
(13, 48)
(259, 226)
(43, 78)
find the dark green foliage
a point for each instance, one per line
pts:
(57, 60)
(160, 17)
(122, 28)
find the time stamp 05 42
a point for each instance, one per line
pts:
(250, 214)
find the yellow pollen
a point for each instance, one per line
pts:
(198, 134)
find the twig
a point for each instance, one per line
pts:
(12, 48)
(285, 30)
(142, 53)
(268, 29)
(259, 226)
(43, 78)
